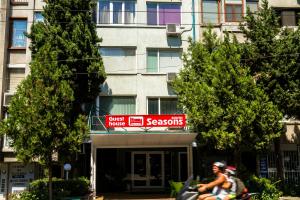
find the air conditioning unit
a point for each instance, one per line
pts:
(171, 77)
(7, 98)
(173, 30)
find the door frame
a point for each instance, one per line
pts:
(147, 178)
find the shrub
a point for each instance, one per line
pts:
(266, 189)
(38, 189)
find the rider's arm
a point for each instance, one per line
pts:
(220, 180)
(227, 185)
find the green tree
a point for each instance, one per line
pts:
(221, 99)
(273, 55)
(45, 115)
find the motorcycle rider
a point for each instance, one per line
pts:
(218, 193)
(230, 184)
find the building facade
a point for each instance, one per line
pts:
(143, 43)
(16, 18)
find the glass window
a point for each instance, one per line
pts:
(163, 106)
(153, 106)
(19, 27)
(104, 12)
(164, 60)
(163, 13)
(169, 61)
(288, 18)
(169, 14)
(116, 12)
(152, 13)
(38, 17)
(117, 105)
(129, 12)
(233, 12)
(152, 61)
(252, 5)
(119, 59)
(210, 11)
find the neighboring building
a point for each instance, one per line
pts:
(16, 18)
(225, 15)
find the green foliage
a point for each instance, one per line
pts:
(266, 189)
(273, 55)
(38, 189)
(25, 195)
(221, 99)
(45, 115)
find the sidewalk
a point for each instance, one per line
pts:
(289, 198)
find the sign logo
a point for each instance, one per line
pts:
(121, 121)
(136, 121)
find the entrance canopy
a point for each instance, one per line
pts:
(142, 139)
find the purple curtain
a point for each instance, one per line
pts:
(152, 14)
(169, 13)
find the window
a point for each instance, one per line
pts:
(233, 10)
(163, 13)
(114, 105)
(163, 106)
(210, 11)
(19, 27)
(288, 17)
(6, 139)
(116, 12)
(163, 60)
(38, 17)
(119, 59)
(252, 5)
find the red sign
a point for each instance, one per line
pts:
(115, 121)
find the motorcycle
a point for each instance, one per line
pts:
(190, 192)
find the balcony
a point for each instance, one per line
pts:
(19, 2)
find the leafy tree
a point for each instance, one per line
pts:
(273, 55)
(221, 99)
(45, 115)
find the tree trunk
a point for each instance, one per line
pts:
(279, 166)
(50, 181)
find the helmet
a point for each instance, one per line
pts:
(231, 170)
(219, 164)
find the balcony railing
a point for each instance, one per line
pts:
(19, 2)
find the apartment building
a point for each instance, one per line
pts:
(16, 18)
(225, 15)
(143, 42)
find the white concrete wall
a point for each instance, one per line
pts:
(285, 3)
(141, 36)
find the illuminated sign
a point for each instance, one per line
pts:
(121, 121)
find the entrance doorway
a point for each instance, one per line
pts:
(147, 169)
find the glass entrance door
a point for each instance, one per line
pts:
(147, 169)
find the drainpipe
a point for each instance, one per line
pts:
(193, 20)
